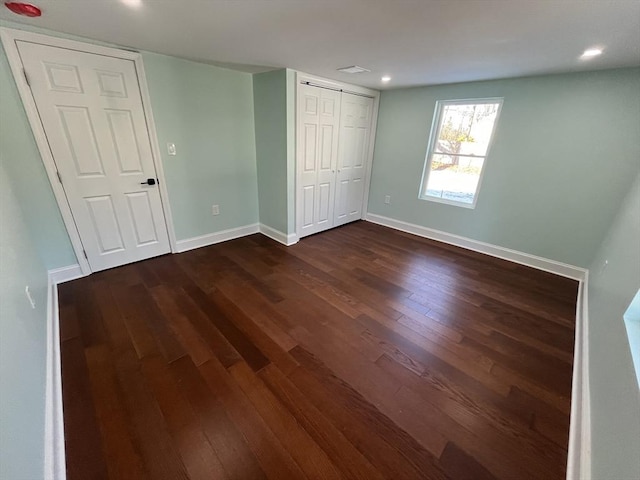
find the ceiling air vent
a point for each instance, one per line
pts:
(353, 69)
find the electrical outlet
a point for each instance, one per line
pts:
(387, 199)
(171, 148)
(215, 210)
(27, 292)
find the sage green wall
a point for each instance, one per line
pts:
(270, 113)
(207, 112)
(565, 151)
(23, 336)
(274, 96)
(291, 151)
(615, 398)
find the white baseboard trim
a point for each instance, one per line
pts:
(54, 450)
(552, 266)
(217, 237)
(278, 236)
(579, 455)
(65, 274)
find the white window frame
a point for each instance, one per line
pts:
(433, 137)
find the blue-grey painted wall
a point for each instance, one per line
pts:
(291, 151)
(23, 334)
(565, 152)
(615, 398)
(270, 112)
(208, 113)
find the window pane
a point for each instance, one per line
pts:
(454, 178)
(466, 129)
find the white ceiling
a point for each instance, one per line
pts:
(415, 42)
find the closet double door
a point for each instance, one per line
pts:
(334, 129)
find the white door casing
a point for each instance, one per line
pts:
(91, 110)
(355, 129)
(317, 145)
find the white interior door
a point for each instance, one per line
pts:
(317, 145)
(91, 110)
(353, 153)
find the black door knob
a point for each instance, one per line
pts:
(150, 181)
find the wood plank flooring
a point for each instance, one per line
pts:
(361, 352)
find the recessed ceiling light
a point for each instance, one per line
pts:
(353, 69)
(591, 52)
(386, 78)
(132, 3)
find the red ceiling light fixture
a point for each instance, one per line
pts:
(25, 9)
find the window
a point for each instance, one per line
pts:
(632, 322)
(459, 144)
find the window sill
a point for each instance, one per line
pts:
(470, 206)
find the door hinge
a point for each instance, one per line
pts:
(26, 77)
(85, 254)
(59, 176)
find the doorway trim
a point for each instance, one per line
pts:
(9, 38)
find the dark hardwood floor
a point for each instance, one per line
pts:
(361, 352)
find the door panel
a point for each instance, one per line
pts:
(105, 224)
(356, 195)
(355, 131)
(62, 78)
(81, 142)
(326, 147)
(124, 138)
(308, 194)
(112, 84)
(91, 110)
(310, 147)
(342, 199)
(324, 204)
(318, 127)
(141, 212)
(361, 138)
